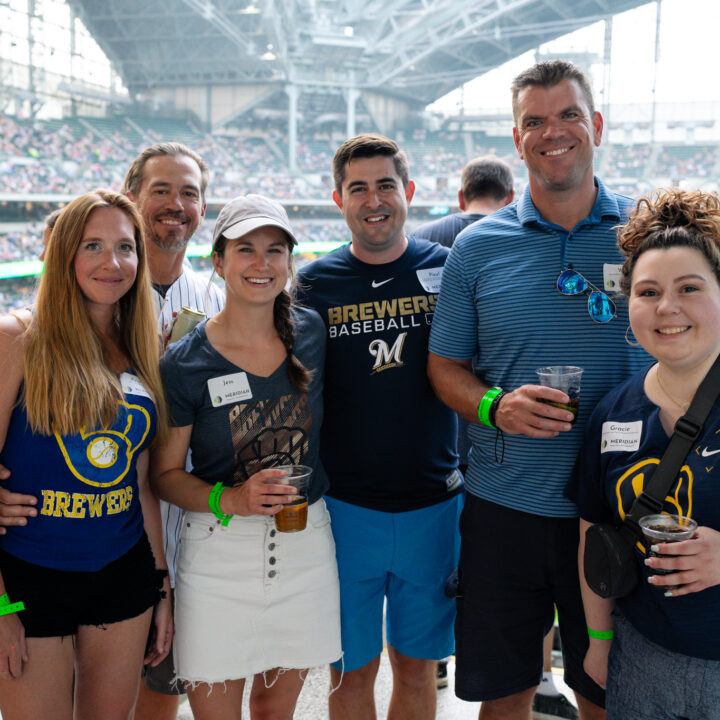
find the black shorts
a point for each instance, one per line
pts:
(57, 602)
(515, 568)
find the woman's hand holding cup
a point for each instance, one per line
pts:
(260, 494)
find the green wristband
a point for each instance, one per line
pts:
(7, 608)
(485, 404)
(601, 634)
(214, 504)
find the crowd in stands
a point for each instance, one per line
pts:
(680, 162)
(69, 156)
(627, 161)
(23, 244)
(672, 161)
(16, 293)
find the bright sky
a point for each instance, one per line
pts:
(688, 68)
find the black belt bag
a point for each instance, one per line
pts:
(611, 567)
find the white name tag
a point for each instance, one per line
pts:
(612, 275)
(229, 389)
(131, 385)
(620, 437)
(430, 279)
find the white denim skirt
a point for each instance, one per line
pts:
(249, 598)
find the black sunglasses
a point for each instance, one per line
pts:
(600, 306)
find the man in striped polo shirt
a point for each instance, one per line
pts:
(499, 300)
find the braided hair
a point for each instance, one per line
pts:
(299, 375)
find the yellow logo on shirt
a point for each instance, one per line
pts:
(632, 483)
(102, 458)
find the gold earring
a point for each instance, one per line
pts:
(627, 337)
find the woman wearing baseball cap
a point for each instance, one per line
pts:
(245, 396)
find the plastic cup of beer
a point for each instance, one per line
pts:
(566, 378)
(665, 529)
(293, 516)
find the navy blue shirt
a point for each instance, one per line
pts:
(446, 229)
(387, 443)
(89, 510)
(623, 445)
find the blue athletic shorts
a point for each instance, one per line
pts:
(406, 558)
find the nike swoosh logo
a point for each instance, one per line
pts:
(708, 453)
(376, 284)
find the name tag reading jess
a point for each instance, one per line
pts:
(229, 389)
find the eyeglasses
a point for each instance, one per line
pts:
(600, 306)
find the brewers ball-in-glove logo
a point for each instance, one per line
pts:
(102, 458)
(282, 434)
(270, 448)
(633, 481)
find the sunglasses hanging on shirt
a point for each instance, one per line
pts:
(600, 307)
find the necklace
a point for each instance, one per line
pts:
(683, 406)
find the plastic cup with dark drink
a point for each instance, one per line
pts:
(566, 378)
(293, 516)
(665, 529)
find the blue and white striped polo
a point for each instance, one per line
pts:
(499, 301)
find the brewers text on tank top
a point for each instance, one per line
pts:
(89, 511)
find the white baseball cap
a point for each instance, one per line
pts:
(246, 213)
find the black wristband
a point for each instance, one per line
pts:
(494, 407)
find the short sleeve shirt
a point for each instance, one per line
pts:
(499, 303)
(243, 423)
(623, 445)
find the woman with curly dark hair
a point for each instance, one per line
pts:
(662, 640)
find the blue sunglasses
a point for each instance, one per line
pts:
(600, 307)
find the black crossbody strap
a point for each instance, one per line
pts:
(687, 431)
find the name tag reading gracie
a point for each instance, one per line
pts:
(621, 436)
(228, 389)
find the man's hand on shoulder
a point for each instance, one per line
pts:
(14, 507)
(523, 412)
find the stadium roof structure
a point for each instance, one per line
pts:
(408, 51)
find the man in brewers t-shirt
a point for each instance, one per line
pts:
(388, 444)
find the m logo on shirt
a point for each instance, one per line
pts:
(387, 356)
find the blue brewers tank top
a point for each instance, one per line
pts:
(89, 511)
